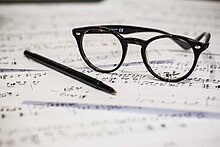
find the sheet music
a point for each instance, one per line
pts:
(29, 91)
(24, 79)
(64, 125)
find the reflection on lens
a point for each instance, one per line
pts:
(103, 50)
(169, 60)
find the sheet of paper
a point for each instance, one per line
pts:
(41, 107)
(48, 32)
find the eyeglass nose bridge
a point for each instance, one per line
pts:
(136, 41)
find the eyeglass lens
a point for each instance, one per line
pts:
(103, 50)
(167, 59)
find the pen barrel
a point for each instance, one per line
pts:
(62, 68)
(70, 72)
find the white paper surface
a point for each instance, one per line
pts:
(46, 29)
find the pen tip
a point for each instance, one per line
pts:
(113, 92)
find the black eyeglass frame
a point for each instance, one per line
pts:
(117, 30)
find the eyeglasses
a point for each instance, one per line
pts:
(168, 57)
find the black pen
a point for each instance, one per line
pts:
(70, 72)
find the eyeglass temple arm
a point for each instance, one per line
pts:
(132, 29)
(186, 46)
(122, 29)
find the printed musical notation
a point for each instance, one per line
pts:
(110, 125)
(32, 81)
(36, 108)
(205, 80)
(51, 109)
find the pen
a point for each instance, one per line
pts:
(70, 72)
